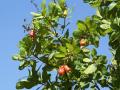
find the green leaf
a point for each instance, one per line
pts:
(114, 62)
(24, 84)
(112, 5)
(108, 31)
(63, 49)
(23, 64)
(96, 18)
(33, 63)
(77, 33)
(59, 55)
(87, 60)
(69, 47)
(110, 79)
(54, 9)
(20, 85)
(105, 26)
(101, 60)
(106, 22)
(62, 3)
(43, 4)
(90, 69)
(93, 3)
(117, 55)
(96, 41)
(114, 40)
(98, 13)
(88, 21)
(15, 57)
(23, 52)
(84, 85)
(97, 75)
(81, 25)
(117, 21)
(51, 55)
(94, 52)
(37, 15)
(104, 70)
(85, 50)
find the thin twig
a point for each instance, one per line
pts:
(35, 5)
(97, 86)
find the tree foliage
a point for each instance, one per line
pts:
(50, 46)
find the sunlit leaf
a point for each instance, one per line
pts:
(105, 26)
(23, 64)
(81, 25)
(86, 60)
(112, 5)
(90, 69)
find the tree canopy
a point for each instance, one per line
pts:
(49, 48)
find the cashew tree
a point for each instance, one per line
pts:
(56, 60)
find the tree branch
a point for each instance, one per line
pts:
(54, 1)
(35, 5)
(97, 86)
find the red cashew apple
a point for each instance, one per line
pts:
(61, 71)
(32, 33)
(67, 68)
(83, 42)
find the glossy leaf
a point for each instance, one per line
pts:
(23, 64)
(87, 60)
(112, 5)
(90, 69)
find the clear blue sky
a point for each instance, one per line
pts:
(12, 13)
